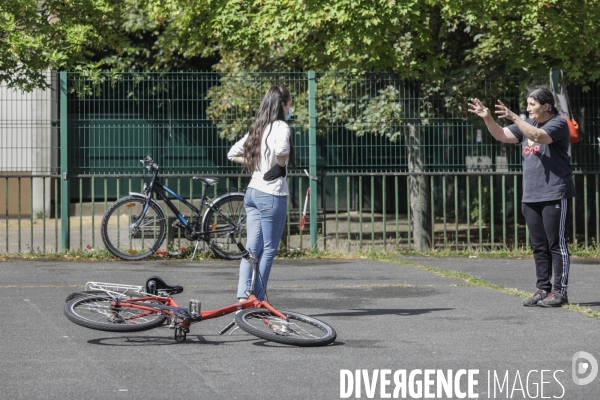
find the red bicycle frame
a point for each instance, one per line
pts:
(169, 306)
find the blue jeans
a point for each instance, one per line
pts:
(265, 222)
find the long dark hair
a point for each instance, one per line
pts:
(269, 111)
(543, 96)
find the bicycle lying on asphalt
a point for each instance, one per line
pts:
(127, 308)
(134, 227)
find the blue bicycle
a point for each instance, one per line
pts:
(134, 227)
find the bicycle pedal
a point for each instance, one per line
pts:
(177, 224)
(227, 327)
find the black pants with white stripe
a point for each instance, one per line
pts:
(547, 224)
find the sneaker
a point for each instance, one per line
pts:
(537, 296)
(554, 299)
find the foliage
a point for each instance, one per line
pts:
(449, 46)
(234, 102)
(379, 115)
(413, 38)
(54, 34)
(534, 35)
(476, 218)
(422, 39)
(360, 104)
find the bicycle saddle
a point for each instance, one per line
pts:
(155, 284)
(208, 181)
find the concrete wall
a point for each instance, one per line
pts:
(28, 146)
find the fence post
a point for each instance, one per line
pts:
(312, 155)
(64, 158)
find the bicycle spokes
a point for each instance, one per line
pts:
(285, 327)
(225, 225)
(133, 228)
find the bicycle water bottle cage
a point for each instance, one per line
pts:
(156, 286)
(207, 181)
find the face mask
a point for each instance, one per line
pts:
(289, 114)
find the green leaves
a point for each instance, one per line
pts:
(423, 39)
(54, 34)
(534, 35)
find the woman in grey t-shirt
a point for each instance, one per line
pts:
(547, 186)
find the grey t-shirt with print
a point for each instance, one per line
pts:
(546, 167)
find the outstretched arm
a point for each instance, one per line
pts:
(532, 133)
(499, 133)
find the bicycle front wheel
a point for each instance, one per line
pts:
(298, 330)
(133, 228)
(97, 312)
(225, 225)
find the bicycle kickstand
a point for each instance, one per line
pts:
(195, 249)
(227, 327)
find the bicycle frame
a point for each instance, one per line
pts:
(160, 189)
(171, 308)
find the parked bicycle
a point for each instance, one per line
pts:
(128, 308)
(135, 226)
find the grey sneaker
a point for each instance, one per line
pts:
(537, 296)
(554, 299)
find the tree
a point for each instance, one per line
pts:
(36, 36)
(432, 40)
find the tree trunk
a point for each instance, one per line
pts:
(419, 191)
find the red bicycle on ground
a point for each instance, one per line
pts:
(127, 308)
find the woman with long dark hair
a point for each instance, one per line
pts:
(265, 151)
(547, 186)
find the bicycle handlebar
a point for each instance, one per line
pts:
(149, 163)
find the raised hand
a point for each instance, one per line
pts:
(476, 107)
(503, 112)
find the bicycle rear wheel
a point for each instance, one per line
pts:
(298, 330)
(97, 312)
(225, 225)
(133, 229)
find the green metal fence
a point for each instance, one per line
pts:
(360, 135)
(457, 224)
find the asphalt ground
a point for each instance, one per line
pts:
(389, 318)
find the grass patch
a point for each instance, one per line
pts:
(99, 255)
(376, 253)
(471, 280)
(477, 281)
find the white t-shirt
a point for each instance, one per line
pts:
(276, 143)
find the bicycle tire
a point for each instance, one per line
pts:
(94, 312)
(299, 330)
(140, 243)
(223, 243)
